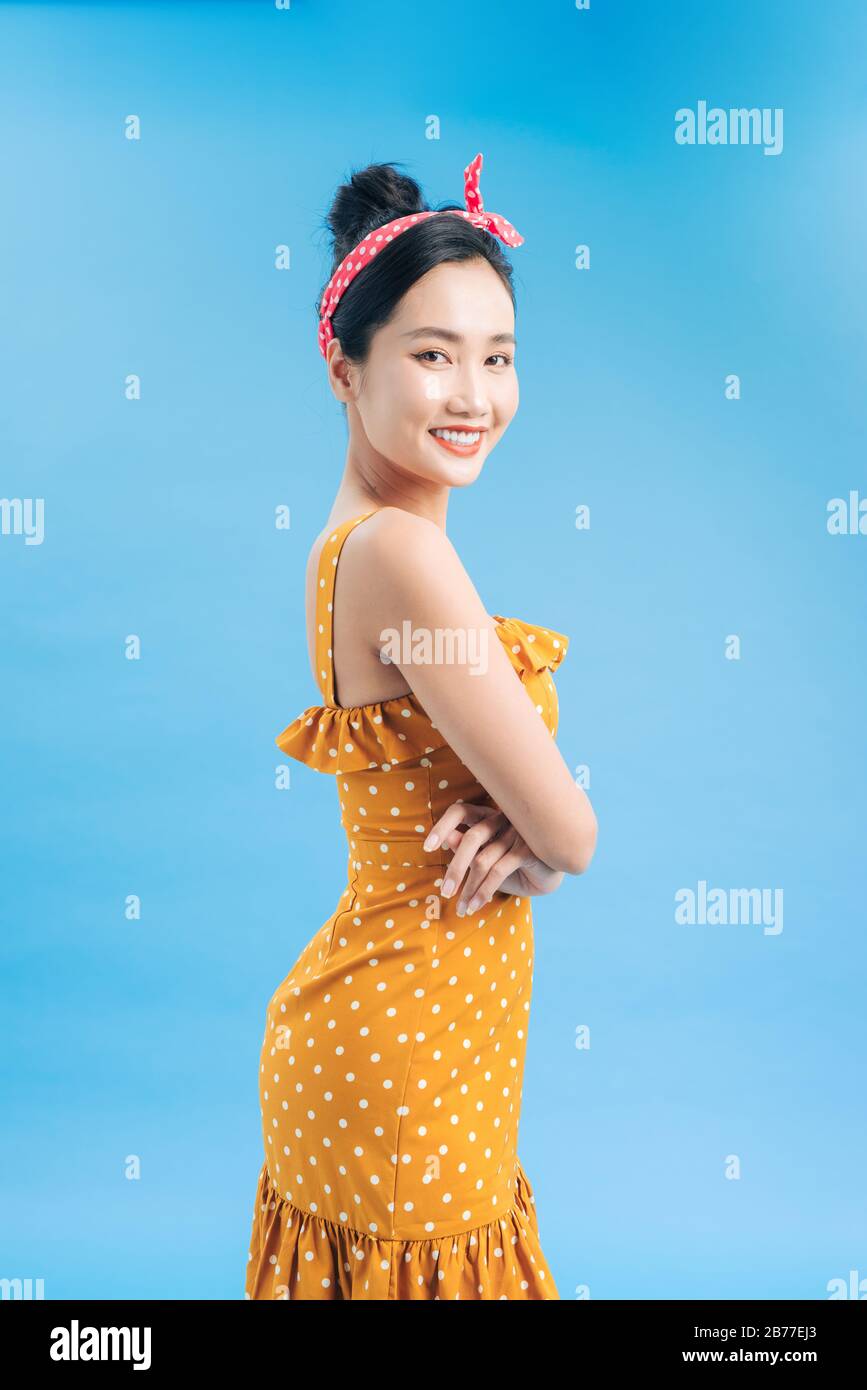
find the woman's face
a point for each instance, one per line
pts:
(445, 361)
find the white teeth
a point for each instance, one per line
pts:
(458, 436)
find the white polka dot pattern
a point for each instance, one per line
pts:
(393, 1055)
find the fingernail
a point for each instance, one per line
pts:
(461, 909)
(448, 887)
(473, 904)
(431, 842)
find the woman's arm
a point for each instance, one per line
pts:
(481, 707)
(519, 884)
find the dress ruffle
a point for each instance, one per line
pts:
(334, 739)
(295, 1255)
(531, 648)
(329, 738)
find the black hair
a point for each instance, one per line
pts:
(376, 195)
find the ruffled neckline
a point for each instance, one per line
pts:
(337, 738)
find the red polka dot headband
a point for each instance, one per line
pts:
(364, 252)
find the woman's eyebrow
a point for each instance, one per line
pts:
(453, 337)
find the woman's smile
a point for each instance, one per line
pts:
(459, 441)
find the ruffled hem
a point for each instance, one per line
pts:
(336, 739)
(295, 1255)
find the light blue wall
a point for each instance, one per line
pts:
(708, 518)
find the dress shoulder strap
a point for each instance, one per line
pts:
(325, 580)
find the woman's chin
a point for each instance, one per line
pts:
(459, 467)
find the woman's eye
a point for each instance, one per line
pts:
(437, 352)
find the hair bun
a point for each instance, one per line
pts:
(373, 196)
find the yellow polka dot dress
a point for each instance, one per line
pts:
(393, 1056)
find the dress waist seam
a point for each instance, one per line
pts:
(511, 1212)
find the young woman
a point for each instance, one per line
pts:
(392, 1063)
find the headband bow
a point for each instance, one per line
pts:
(364, 252)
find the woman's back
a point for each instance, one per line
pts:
(361, 677)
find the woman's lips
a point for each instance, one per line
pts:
(464, 450)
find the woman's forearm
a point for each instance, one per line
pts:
(518, 884)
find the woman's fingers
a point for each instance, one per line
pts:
(470, 843)
(458, 813)
(482, 855)
(485, 864)
(486, 850)
(492, 881)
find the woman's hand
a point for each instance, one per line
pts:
(491, 854)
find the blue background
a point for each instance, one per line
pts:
(708, 518)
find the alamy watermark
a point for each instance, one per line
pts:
(723, 907)
(17, 518)
(441, 646)
(739, 125)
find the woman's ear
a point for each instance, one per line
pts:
(339, 371)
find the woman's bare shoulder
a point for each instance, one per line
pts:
(385, 562)
(389, 522)
(393, 556)
(400, 536)
(387, 528)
